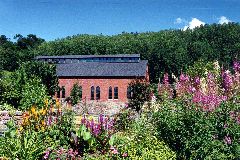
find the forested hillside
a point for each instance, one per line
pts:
(169, 51)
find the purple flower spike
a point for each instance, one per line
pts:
(83, 120)
(92, 124)
(227, 140)
(101, 118)
(96, 129)
(197, 81)
(236, 66)
(46, 155)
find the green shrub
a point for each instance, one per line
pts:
(195, 134)
(124, 119)
(33, 93)
(140, 93)
(140, 142)
(27, 145)
(76, 93)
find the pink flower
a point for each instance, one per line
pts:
(115, 151)
(124, 154)
(227, 140)
(112, 148)
(46, 155)
(165, 79)
(236, 66)
(225, 125)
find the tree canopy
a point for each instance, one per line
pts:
(169, 51)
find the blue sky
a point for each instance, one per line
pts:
(52, 19)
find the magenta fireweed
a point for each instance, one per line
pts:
(227, 140)
(207, 93)
(103, 124)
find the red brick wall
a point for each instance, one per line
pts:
(103, 83)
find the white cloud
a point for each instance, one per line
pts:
(179, 20)
(223, 20)
(193, 23)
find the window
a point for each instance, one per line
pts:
(97, 93)
(129, 93)
(92, 93)
(115, 92)
(110, 93)
(63, 92)
(62, 60)
(58, 92)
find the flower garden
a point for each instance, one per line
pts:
(195, 117)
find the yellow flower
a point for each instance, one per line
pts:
(42, 128)
(57, 102)
(42, 122)
(90, 118)
(46, 102)
(21, 128)
(43, 111)
(33, 110)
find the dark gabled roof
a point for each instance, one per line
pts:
(100, 69)
(88, 56)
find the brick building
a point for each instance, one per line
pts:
(101, 77)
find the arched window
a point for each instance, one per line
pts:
(110, 93)
(97, 93)
(58, 92)
(92, 93)
(129, 92)
(115, 92)
(63, 92)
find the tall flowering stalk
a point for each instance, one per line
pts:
(101, 130)
(207, 93)
(102, 125)
(165, 88)
(183, 86)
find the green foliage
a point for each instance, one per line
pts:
(201, 68)
(170, 51)
(13, 85)
(46, 72)
(28, 145)
(195, 134)
(33, 93)
(124, 119)
(12, 54)
(60, 131)
(76, 93)
(140, 142)
(140, 93)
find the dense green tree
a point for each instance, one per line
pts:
(169, 51)
(14, 85)
(139, 93)
(46, 72)
(76, 93)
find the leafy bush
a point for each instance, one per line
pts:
(140, 93)
(28, 144)
(196, 134)
(33, 93)
(202, 122)
(140, 142)
(76, 93)
(44, 71)
(201, 68)
(97, 134)
(124, 119)
(35, 74)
